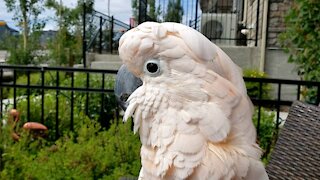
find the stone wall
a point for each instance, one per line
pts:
(277, 11)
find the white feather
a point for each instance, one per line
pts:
(137, 120)
(129, 111)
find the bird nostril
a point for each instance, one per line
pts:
(124, 97)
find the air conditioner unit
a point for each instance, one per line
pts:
(220, 28)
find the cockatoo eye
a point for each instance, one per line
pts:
(152, 67)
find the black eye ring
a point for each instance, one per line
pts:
(152, 67)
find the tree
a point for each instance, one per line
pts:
(153, 11)
(66, 47)
(174, 11)
(26, 13)
(301, 41)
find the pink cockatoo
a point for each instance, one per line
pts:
(192, 110)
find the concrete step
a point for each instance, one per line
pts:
(107, 57)
(110, 65)
(7, 76)
(3, 55)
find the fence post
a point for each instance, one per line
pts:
(42, 94)
(142, 11)
(1, 95)
(111, 34)
(259, 109)
(57, 105)
(278, 106)
(14, 89)
(318, 96)
(100, 36)
(84, 44)
(257, 23)
(196, 15)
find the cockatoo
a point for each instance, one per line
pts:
(192, 110)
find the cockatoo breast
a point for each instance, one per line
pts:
(170, 141)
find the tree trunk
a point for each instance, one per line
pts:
(25, 25)
(25, 35)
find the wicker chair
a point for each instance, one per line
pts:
(297, 151)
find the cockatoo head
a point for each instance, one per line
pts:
(167, 54)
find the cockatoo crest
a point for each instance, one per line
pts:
(192, 111)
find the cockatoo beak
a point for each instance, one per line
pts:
(126, 84)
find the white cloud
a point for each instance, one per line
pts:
(120, 9)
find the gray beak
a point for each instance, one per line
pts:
(126, 84)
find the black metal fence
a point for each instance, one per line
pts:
(225, 22)
(101, 32)
(58, 96)
(277, 100)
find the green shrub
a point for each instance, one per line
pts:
(309, 94)
(5, 92)
(301, 41)
(301, 38)
(254, 87)
(267, 131)
(20, 56)
(91, 153)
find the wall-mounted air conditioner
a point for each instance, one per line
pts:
(220, 28)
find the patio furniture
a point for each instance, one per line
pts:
(297, 151)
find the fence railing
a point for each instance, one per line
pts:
(62, 97)
(102, 32)
(56, 96)
(276, 101)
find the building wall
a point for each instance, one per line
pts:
(245, 57)
(277, 67)
(276, 25)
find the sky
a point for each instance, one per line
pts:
(120, 9)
